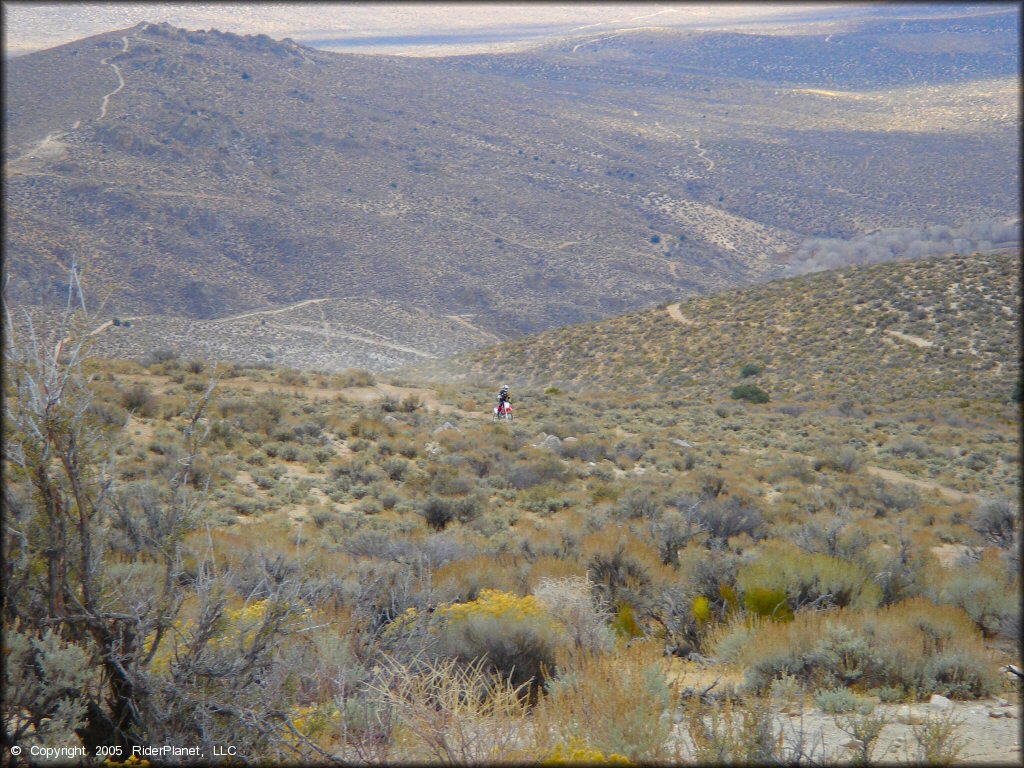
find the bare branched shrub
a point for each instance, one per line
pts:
(571, 602)
(725, 518)
(451, 712)
(937, 740)
(863, 728)
(139, 399)
(100, 564)
(996, 521)
(733, 732)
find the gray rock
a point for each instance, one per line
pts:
(446, 425)
(940, 703)
(571, 440)
(552, 442)
(681, 443)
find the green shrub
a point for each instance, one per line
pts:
(725, 518)
(957, 675)
(888, 694)
(438, 512)
(996, 521)
(807, 578)
(140, 400)
(638, 504)
(750, 369)
(751, 393)
(625, 623)
(514, 634)
(839, 701)
(396, 469)
(767, 603)
(981, 597)
(915, 646)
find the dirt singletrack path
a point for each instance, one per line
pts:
(258, 312)
(677, 315)
(893, 476)
(120, 79)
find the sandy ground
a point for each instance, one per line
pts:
(989, 729)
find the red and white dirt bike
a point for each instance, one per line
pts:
(503, 411)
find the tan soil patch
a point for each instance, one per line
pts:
(917, 341)
(675, 314)
(948, 554)
(142, 432)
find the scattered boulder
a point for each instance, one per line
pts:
(552, 442)
(681, 443)
(570, 440)
(447, 425)
(940, 703)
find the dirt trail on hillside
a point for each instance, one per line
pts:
(354, 337)
(898, 477)
(675, 314)
(889, 475)
(278, 311)
(917, 341)
(120, 80)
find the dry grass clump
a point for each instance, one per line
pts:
(452, 713)
(572, 603)
(734, 732)
(464, 579)
(617, 703)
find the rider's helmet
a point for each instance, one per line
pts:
(504, 388)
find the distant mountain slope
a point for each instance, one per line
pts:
(938, 327)
(324, 335)
(198, 174)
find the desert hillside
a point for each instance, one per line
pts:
(942, 327)
(201, 175)
(362, 550)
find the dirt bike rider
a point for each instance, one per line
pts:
(504, 399)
